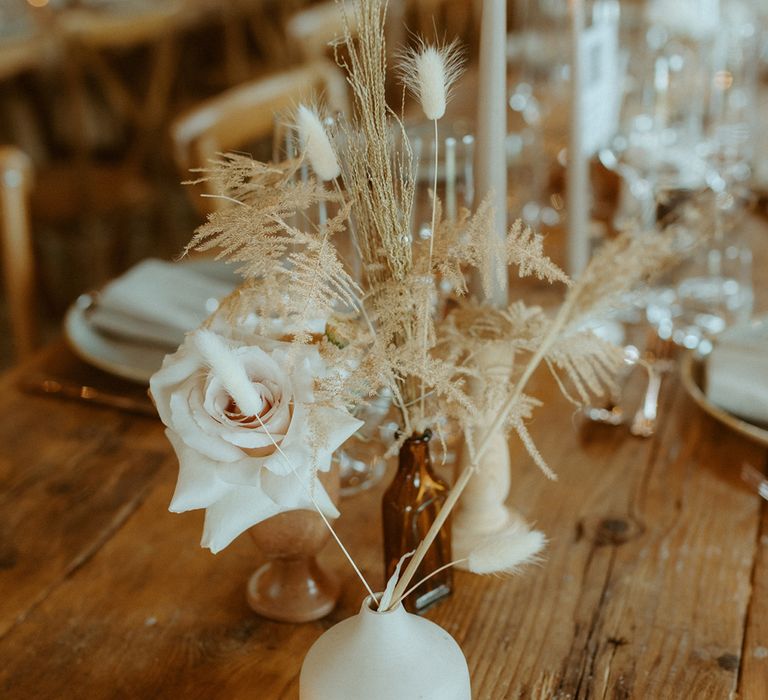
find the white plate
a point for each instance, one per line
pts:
(120, 357)
(692, 371)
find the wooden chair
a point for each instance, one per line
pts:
(246, 114)
(93, 40)
(312, 30)
(107, 127)
(451, 18)
(18, 258)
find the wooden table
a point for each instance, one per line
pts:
(655, 583)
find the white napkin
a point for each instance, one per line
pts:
(693, 18)
(157, 302)
(737, 371)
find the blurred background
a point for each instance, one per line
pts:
(113, 101)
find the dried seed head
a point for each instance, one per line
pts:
(507, 552)
(429, 72)
(229, 370)
(316, 144)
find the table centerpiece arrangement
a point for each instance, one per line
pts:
(257, 400)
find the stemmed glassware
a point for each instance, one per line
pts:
(686, 126)
(661, 121)
(713, 290)
(538, 104)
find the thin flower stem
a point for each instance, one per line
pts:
(432, 233)
(472, 467)
(225, 198)
(434, 573)
(355, 265)
(317, 507)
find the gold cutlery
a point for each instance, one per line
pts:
(755, 479)
(657, 361)
(48, 386)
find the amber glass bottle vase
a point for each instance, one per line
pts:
(410, 506)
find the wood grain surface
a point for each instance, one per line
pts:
(655, 583)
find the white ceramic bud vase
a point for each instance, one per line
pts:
(385, 656)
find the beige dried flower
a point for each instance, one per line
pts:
(429, 72)
(316, 143)
(507, 552)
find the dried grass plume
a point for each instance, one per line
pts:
(429, 72)
(507, 552)
(317, 146)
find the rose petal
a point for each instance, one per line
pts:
(290, 493)
(295, 451)
(175, 370)
(337, 425)
(249, 435)
(244, 472)
(234, 514)
(257, 436)
(303, 381)
(189, 428)
(216, 398)
(261, 366)
(197, 485)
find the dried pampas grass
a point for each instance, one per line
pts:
(294, 273)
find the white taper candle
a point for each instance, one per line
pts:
(578, 163)
(490, 143)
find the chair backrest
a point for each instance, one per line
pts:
(16, 240)
(312, 29)
(246, 114)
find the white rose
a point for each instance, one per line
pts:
(228, 460)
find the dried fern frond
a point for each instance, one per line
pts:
(589, 362)
(472, 324)
(525, 249)
(471, 245)
(465, 242)
(620, 265)
(239, 177)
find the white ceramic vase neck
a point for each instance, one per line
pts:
(385, 656)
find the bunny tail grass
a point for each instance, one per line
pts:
(507, 552)
(230, 371)
(429, 72)
(316, 144)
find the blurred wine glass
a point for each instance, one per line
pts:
(538, 105)
(714, 289)
(656, 146)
